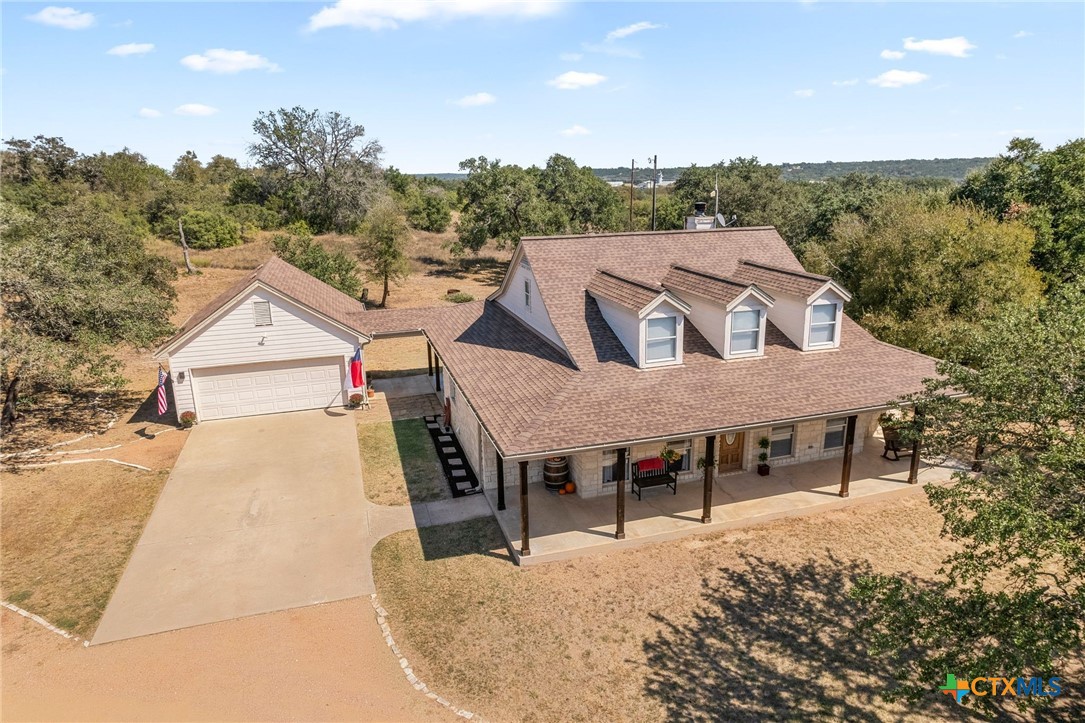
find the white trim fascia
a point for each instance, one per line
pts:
(669, 298)
(165, 350)
(513, 263)
(829, 285)
(751, 290)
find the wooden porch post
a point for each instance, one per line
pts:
(619, 529)
(429, 359)
(437, 371)
(525, 541)
(500, 481)
(849, 444)
(709, 467)
(913, 467)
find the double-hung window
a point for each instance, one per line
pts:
(610, 465)
(745, 331)
(823, 324)
(834, 432)
(683, 447)
(661, 339)
(782, 441)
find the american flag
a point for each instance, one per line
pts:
(163, 405)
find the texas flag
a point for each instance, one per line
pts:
(357, 375)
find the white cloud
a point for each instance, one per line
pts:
(627, 30)
(470, 101)
(389, 14)
(67, 18)
(571, 57)
(221, 61)
(576, 130)
(149, 113)
(131, 49)
(195, 109)
(1022, 34)
(898, 78)
(574, 80)
(957, 47)
(892, 54)
(805, 93)
(850, 81)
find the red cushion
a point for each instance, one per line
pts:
(653, 464)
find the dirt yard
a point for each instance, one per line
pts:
(752, 624)
(67, 534)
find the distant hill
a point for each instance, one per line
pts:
(955, 169)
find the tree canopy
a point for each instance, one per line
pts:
(384, 237)
(1011, 600)
(296, 246)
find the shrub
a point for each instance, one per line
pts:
(355, 400)
(429, 212)
(252, 218)
(201, 263)
(210, 230)
(187, 419)
(459, 297)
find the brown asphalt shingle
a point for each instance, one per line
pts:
(703, 283)
(772, 278)
(625, 292)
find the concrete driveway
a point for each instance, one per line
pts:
(259, 514)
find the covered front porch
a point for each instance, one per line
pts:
(561, 527)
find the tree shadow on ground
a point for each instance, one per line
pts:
(772, 640)
(486, 269)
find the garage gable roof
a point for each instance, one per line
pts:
(289, 282)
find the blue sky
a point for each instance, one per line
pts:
(602, 82)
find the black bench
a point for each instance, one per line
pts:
(652, 473)
(893, 445)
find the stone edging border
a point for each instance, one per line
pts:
(40, 621)
(382, 620)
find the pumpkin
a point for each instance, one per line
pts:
(570, 487)
(561, 491)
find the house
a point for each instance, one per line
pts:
(605, 348)
(278, 340)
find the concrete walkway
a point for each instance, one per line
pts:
(260, 514)
(563, 527)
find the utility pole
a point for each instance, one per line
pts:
(655, 181)
(632, 166)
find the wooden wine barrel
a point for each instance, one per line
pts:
(555, 473)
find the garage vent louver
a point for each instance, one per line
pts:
(261, 313)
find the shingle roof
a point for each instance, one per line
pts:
(623, 291)
(290, 282)
(532, 400)
(773, 278)
(703, 283)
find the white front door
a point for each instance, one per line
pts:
(269, 387)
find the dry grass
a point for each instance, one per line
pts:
(396, 357)
(67, 534)
(399, 464)
(745, 625)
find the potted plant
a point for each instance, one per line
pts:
(670, 457)
(187, 419)
(354, 401)
(763, 458)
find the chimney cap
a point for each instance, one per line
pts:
(699, 208)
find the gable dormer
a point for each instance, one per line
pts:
(809, 308)
(731, 315)
(648, 320)
(519, 294)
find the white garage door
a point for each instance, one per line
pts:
(248, 389)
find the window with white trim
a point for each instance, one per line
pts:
(834, 433)
(661, 339)
(261, 313)
(527, 294)
(745, 331)
(610, 465)
(782, 441)
(684, 448)
(823, 323)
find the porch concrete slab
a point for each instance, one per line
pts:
(567, 526)
(259, 514)
(397, 387)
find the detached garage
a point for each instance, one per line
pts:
(277, 341)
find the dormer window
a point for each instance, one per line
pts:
(661, 340)
(745, 331)
(261, 313)
(823, 323)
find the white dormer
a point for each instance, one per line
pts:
(648, 320)
(731, 315)
(809, 308)
(519, 294)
